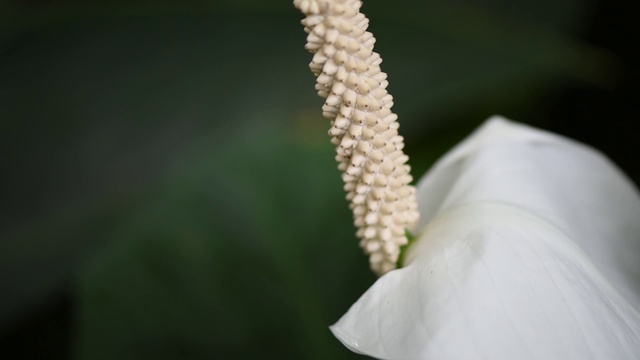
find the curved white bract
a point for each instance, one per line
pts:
(529, 248)
(364, 129)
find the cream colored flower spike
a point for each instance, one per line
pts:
(364, 129)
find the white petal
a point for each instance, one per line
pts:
(530, 250)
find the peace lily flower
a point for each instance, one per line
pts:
(529, 248)
(528, 243)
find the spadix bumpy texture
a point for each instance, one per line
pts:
(364, 129)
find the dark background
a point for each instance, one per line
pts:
(168, 189)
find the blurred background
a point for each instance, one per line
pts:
(168, 189)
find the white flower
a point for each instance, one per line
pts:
(528, 248)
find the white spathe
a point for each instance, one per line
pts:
(529, 248)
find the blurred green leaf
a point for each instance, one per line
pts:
(236, 255)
